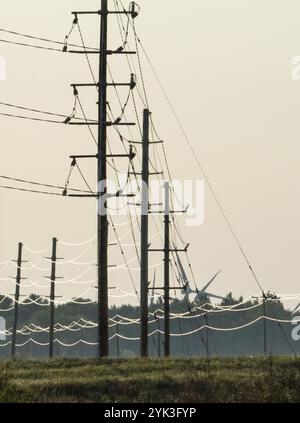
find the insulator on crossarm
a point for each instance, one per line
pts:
(132, 81)
(133, 10)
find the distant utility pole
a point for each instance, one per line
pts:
(102, 124)
(265, 324)
(264, 298)
(53, 278)
(118, 340)
(17, 300)
(206, 335)
(158, 335)
(167, 250)
(144, 237)
(167, 269)
(52, 297)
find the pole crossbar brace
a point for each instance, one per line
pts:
(131, 84)
(133, 13)
(105, 123)
(150, 142)
(109, 52)
(170, 212)
(175, 250)
(150, 173)
(131, 156)
(163, 288)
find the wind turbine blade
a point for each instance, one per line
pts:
(188, 290)
(210, 282)
(296, 308)
(153, 288)
(182, 271)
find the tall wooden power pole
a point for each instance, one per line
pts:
(144, 236)
(102, 156)
(17, 300)
(102, 190)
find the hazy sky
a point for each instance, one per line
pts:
(226, 66)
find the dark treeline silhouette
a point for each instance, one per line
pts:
(246, 341)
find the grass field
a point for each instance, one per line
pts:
(174, 380)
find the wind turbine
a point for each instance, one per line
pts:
(187, 290)
(153, 288)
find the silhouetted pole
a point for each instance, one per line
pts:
(144, 237)
(17, 299)
(206, 335)
(101, 157)
(265, 325)
(167, 269)
(118, 340)
(103, 332)
(52, 298)
(158, 336)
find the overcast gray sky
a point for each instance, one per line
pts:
(226, 66)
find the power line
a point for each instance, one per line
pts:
(40, 38)
(30, 190)
(84, 179)
(222, 210)
(30, 45)
(30, 118)
(36, 110)
(39, 184)
(86, 55)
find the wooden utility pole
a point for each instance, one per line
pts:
(102, 190)
(101, 157)
(118, 340)
(144, 237)
(167, 269)
(17, 299)
(206, 335)
(264, 299)
(53, 295)
(265, 324)
(167, 250)
(158, 335)
(52, 298)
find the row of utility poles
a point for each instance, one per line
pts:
(52, 298)
(166, 250)
(165, 341)
(101, 157)
(101, 195)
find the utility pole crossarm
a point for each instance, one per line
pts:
(105, 11)
(102, 123)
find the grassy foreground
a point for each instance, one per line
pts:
(174, 380)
